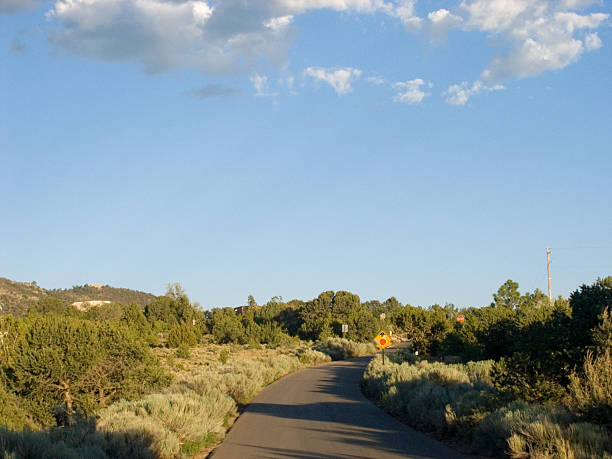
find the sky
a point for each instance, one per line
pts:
(428, 150)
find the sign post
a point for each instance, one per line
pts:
(382, 341)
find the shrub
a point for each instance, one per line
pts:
(62, 360)
(12, 414)
(432, 396)
(182, 352)
(171, 419)
(341, 349)
(78, 441)
(494, 431)
(545, 439)
(312, 357)
(590, 396)
(181, 335)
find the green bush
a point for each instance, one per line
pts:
(12, 415)
(181, 335)
(182, 352)
(445, 399)
(76, 442)
(171, 419)
(524, 430)
(227, 327)
(312, 357)
(590, 396)
(55, 360)
(341, 349)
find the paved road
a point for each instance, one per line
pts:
(321, 413)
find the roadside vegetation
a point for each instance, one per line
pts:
(539, 384)
(165, 378)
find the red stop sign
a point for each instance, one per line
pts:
(382, 341)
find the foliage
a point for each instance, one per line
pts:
(316, 317)
(52, 360)
(590, 396)
(524, 429)
(342, 349)
(75, 442)
(313, 357)
(12, 414)
(181, 335)
(227, 327)
(53, 306)
(434, 397)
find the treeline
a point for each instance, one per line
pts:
(522, 377)
(59, 356)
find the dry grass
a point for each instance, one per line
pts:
(342, 349)
(590, 396)
(459, 400)
(434, 397)
(187, 418)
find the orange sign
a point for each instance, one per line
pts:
(382, 340)
(460, 319)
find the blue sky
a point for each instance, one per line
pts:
(426, 150)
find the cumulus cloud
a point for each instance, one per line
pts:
(211, 36)
(460, 94)
(411, 92)
(441, 21)
(542, 35)
(592, 42)
(213, 90)
(405, 11)
(340, 79)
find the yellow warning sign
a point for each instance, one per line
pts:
(382, 340)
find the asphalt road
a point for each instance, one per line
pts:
(320, 412)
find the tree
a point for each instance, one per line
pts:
(251, 301)
(507, 296)
(49, 305)
(316, 317)
(227, 327)
(82, 364)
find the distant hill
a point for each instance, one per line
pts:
(17, 297)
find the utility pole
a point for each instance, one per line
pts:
(548, 272)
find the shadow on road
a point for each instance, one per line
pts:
(346, 416)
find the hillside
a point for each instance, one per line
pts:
(17, 297)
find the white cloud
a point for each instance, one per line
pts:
(238, 36)
(376, 80)
(577, 4)
(225, 36)
(460, 94)
(340, 78)
(592, 42)
(260, 83)
(411, 92)
(542, 35)
(405, 11)
(443, 19)
(495, 15)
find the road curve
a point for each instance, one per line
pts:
(320, 412)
